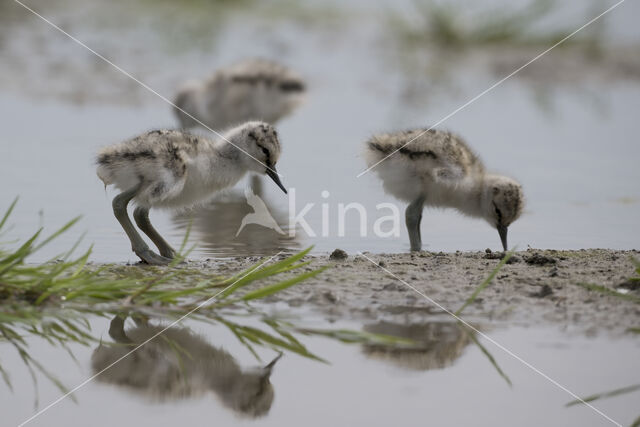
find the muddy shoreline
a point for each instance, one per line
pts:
(536, 287)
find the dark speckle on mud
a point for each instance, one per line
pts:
(499, 255)
(539, 259)
(545, 291)
(631, 284)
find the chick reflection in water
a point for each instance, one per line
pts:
(237, 224)
(437, 344)
(179, 364)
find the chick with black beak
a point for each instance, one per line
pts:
(275, 176)
(269, 367)
(502, 231)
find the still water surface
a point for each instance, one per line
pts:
(447, 383)
(569, 137)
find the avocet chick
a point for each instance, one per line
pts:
(173, 169)
(438, 169)
(254, 89)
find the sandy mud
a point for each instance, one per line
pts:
(534, 287)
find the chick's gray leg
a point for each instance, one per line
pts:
(256, 185)
(116, 330)
(138, 245)
(413, 216)
(141, 216)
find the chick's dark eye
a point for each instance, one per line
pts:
(265, 151)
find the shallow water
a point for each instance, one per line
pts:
(568, 140)
(449, 382)
(567, 135)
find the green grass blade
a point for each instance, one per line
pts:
(360, 337)
(606, 291)
(7, 214)
(489, 356)
(604, 395)
(63, 389)
(484, 284)
(261, 271)
(245, 279)
(278, 287)
(6, 378)
(19, 255)
(57, 233)
(185, 239)
(262, 337)
(239, 337)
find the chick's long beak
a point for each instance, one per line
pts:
(269, 368)
(502, 231)
(273, 174)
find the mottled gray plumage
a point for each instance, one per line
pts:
(437, 168)
(254, 89)
(173, 168)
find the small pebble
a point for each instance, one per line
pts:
(338, 254)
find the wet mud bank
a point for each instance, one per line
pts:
(588, 291)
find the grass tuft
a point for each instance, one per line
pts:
(455, 25)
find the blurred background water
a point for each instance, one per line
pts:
(564, 126)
